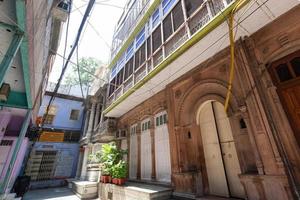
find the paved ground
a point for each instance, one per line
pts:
(51, 194)
(65, 193)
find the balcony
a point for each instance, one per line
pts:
(105, 131)
(202, 34)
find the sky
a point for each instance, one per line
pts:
(96, 37)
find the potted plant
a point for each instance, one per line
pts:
(105, 174)
(110, 160)
(119, 173)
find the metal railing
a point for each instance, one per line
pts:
(201, 17)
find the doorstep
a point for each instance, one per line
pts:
(134, 191)
(85, 189)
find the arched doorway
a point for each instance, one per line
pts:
(220, 154)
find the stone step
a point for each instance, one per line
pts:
(134, 191)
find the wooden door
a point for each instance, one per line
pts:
(212, 152)
(146, 151)
(229, 154)
(162, 149)
(133, 156)
(286, 76)
(221, 158)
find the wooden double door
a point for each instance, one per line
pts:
(221, 159)
(286, 76)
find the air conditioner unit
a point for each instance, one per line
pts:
(4, 92)
(61, 10)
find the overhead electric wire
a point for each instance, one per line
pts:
(86, 15)
(67, 33)
(95, 30)
(79, 76)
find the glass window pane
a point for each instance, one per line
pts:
(157, 121)
(148, 47)
(165, 118)
(155, 18)
(177, 16)
(167, 4)
(296, 65)
(192, 5)
(156, 39)
(143, 54)
(167, 27)
(283, 72)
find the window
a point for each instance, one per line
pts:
(155, 18)
(130, 51)
(146, 125)
(128, 69)
(140, 38)
(74, 115)
(173, 21)
(296, 65)
(112, 87)
(177, 14)
(133, 130)
(48, 119)
(140, 56)
(167, 4)
(113, 72)
(283, 72)
(148, 47)
(161, 119)
(192, 5)
(119, 78)
(121, 62)
(156, 39)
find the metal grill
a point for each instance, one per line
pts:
(6, 142)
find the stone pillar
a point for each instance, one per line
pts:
(138, 134)
(86, 123)
(91, 121)
(152, 134)
(84, 163)
(98, 107)
(79, 164)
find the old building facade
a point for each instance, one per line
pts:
(177, 130)
(30, 34)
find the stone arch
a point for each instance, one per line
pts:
(211, 89)
(293, 46)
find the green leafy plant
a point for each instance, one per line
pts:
(110, 157)
(94, 158)
(119, 170)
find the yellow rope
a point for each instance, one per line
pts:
(231, 38)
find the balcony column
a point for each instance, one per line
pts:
(91, 121)
(98, 107)
(185, 18)
(84, 163)
(86, 123)
(152, 134)
(80, 162)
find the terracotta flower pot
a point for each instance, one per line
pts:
(106, 179)
(115, 181)
(120, 181)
